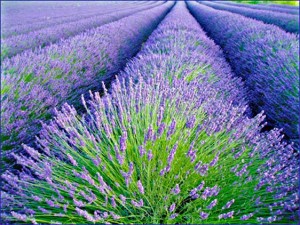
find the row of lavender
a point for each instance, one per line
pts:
(294, 10)
(34, 83)
(166, 145)
(267, 59)
(285, 21)
(8, 31)
(40, 38)
(284, 6)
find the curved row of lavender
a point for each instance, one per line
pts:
(41, 38)
(9, 31)
(285, 21)
(267, 59)
(34, 83)
(160, 148)
(293, 11)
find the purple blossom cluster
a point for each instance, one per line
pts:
(34, 83)
(285, 21)
(63, 181)
(265, 57)
(43, 37)
(61, 16)
(293, 11)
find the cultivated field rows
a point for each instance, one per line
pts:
(26, 13)
(43, 37)
(285, 21)
(32, 26)
(153, 112)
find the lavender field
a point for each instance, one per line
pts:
(149, 112)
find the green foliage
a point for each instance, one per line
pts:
(295, 3)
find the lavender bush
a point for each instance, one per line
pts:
(91, 11)
(40, 38)
(293, 11)
(157, 149)
(265, 57)
(34, 83)
(285, 21)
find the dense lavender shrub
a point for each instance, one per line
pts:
(157, 149)
(34, 83)
(40, 38)
(285, 21)
(92, 11)
(265, 57)
(264, 7)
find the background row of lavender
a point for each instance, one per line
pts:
(34, 83)
(285, 21)
(40, 38)
(96, 10)
(284, 6)
(162, 147)
(267, 59)
(294, 10)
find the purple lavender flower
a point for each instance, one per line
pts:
(173, 216)
(191, 122)
(200, 186)
(72, 160)
(228, 204)
(172, 207)
(142, 150)
(85, 214)
(32, 152)
(140, 187)
(150, 155)
(246, 217)
(137, 204)
(172, 153)
(226, 215)
(149, 135)
(123, 143)
(171, 129)
(123, 199)
(176, 190)
(212, 204)
(36, 198)
(203, 215)
(161, 129)
(78, 203)
(19, 216)
(115, 216)
(113, 202)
